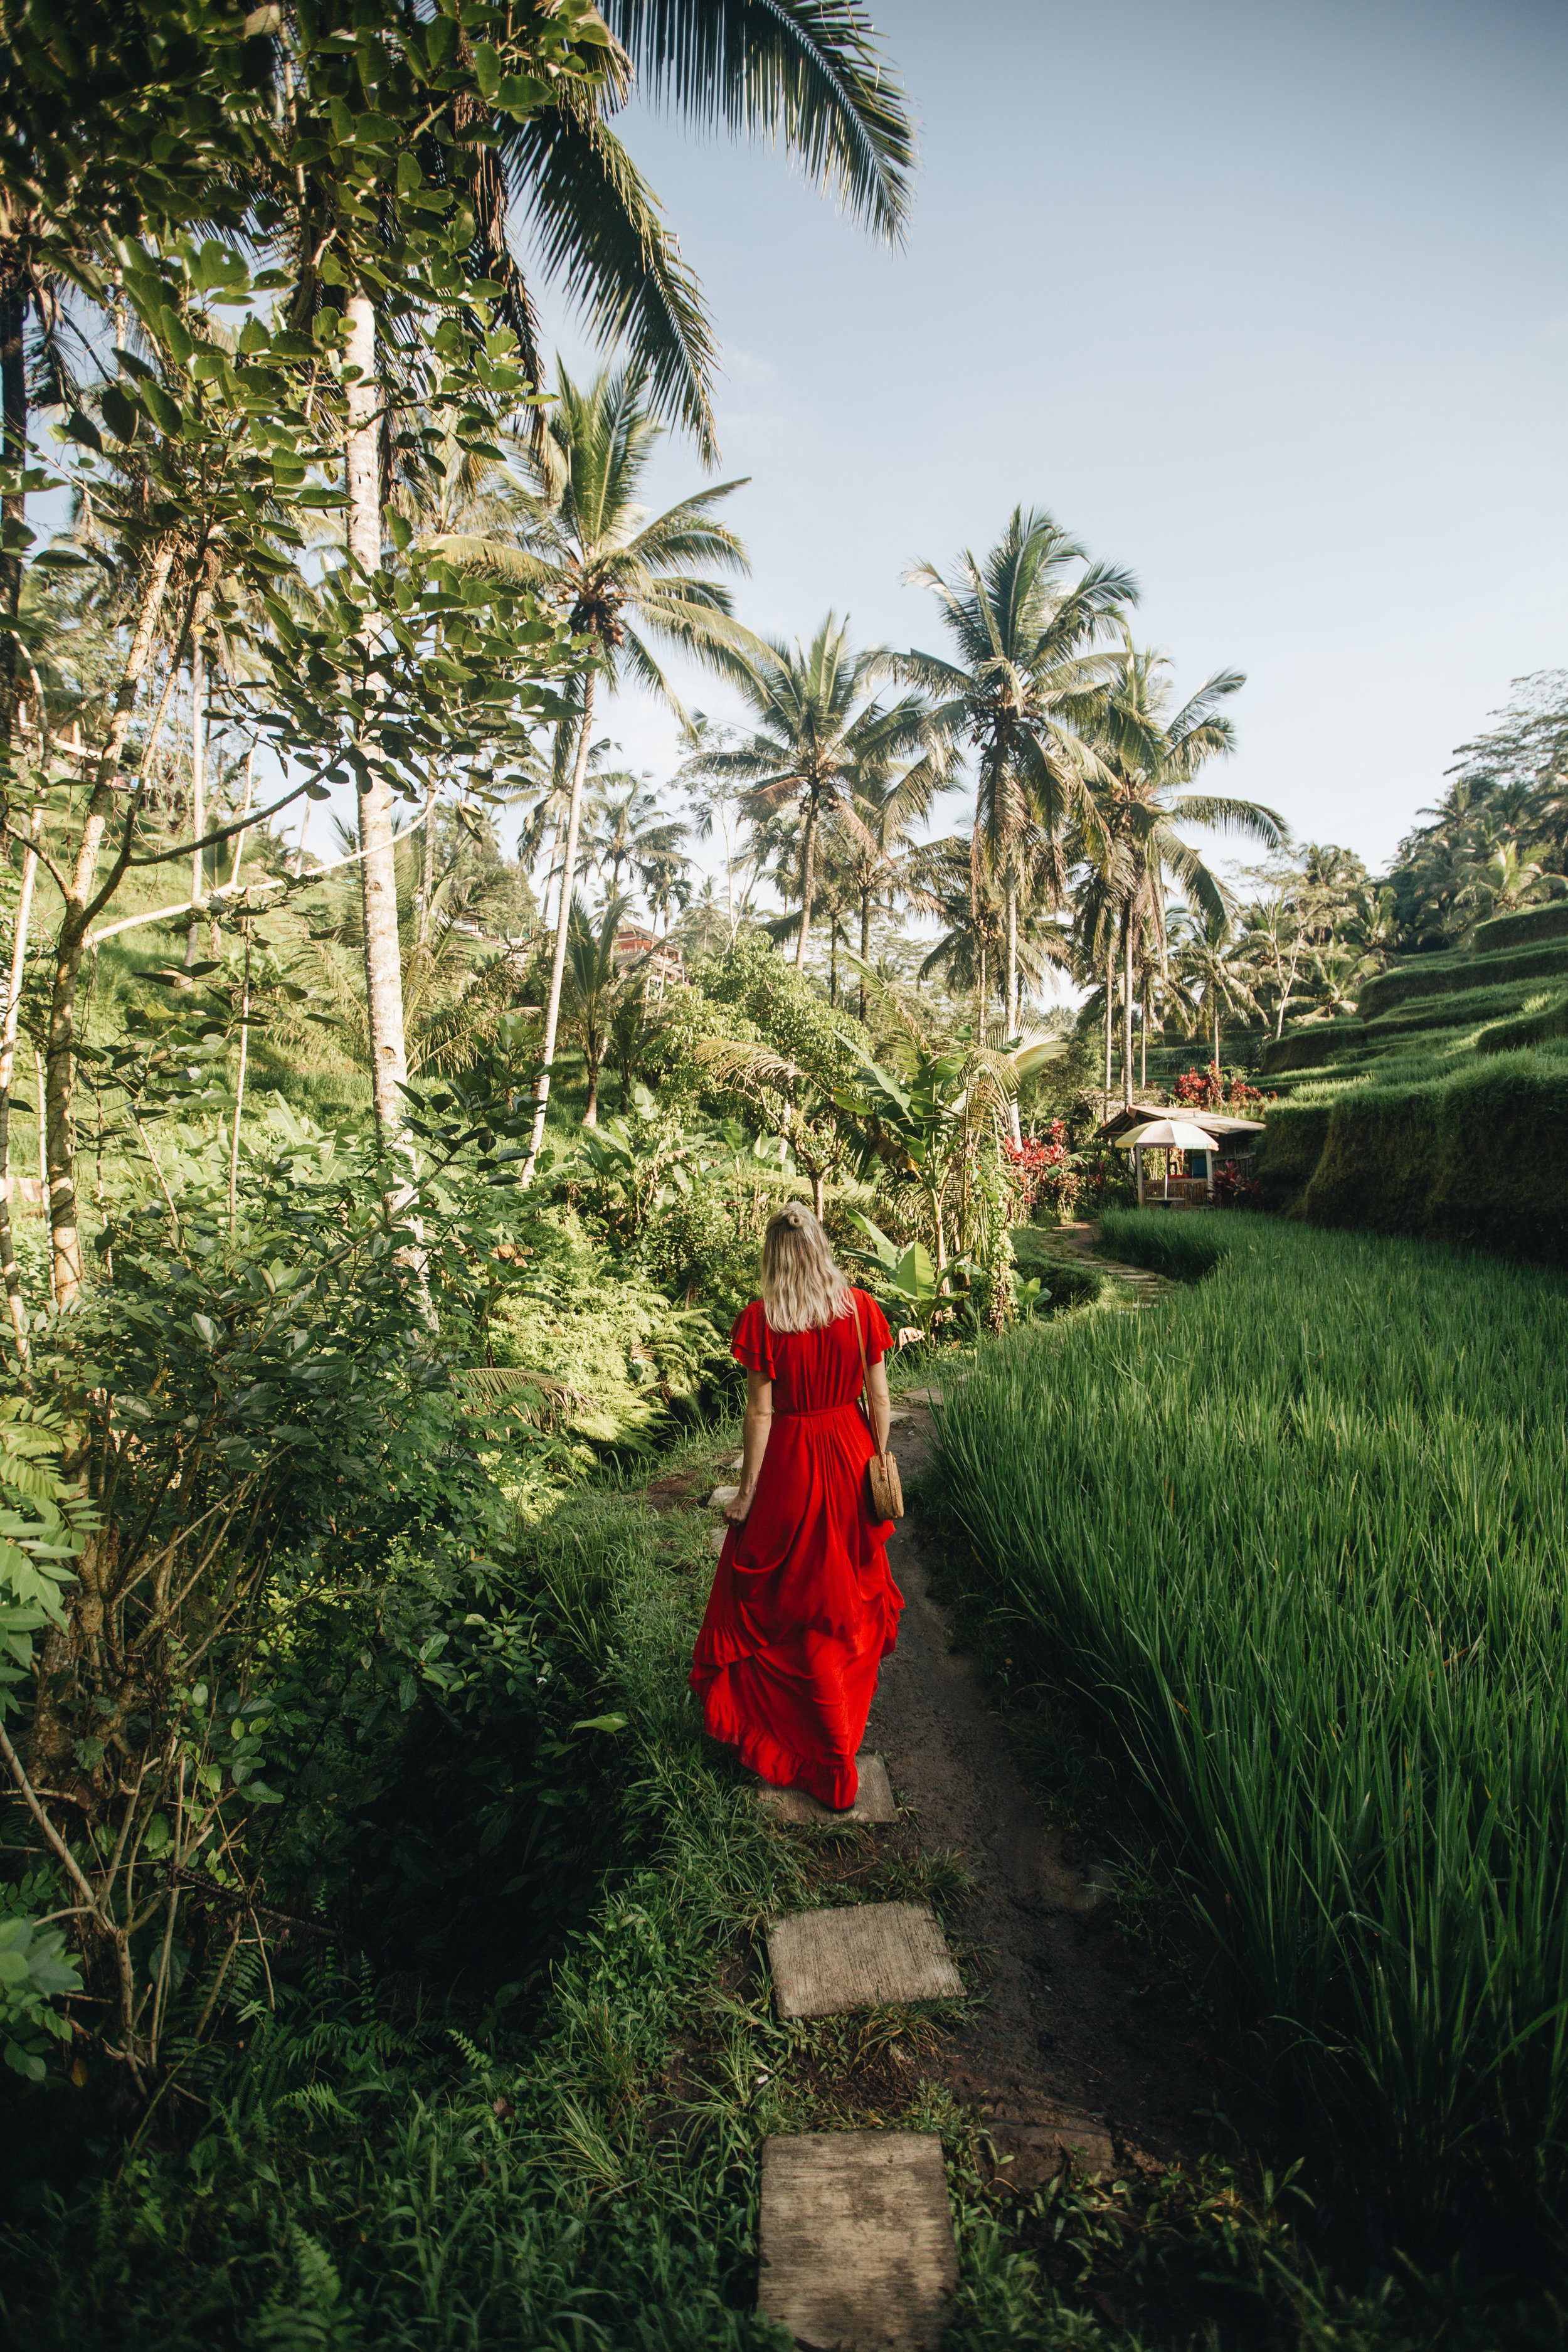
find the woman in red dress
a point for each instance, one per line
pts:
(802, 1609)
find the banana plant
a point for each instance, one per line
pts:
(909, 1273)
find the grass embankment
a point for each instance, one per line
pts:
(1298, 1539)
(1443, 1110)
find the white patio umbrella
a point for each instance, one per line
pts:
(1164, 1134)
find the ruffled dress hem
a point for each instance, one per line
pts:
(838, 1785)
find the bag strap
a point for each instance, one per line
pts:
(865, 1374)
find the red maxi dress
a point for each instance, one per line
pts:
(802, 1609)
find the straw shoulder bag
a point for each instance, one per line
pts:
(887, 1494)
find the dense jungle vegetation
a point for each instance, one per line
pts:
(377, 1939)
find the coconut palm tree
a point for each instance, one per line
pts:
(793, 72)
(1211, 976)
(1146, 755)
(820, 737)
(596, 988)
(583, 541)
(1020, 692)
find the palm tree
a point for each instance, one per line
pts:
(970, 951)
(1145, 759)
(795, 72)
(631, 832)
(1209, 968)
(1020, 692)
(585, 541)
(594, 989)
(820, 738)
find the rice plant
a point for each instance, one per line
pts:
(1301, 1536)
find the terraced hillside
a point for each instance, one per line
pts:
(1442, 1108)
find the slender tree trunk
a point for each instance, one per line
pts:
(7, 1065)
(590, 1115)
(807, 881)
(818, 1196)
(427, 870)
(833, 962)
(864, 943)
(1213, 1008)
(558, 964)
(980, 996)
(71, 943)
(1012, 960)
(245, 810)
(1143, 1046)
(198, 793)
(13, 456)
(43, 1155)
(378, 874)
(239, 1089)
(1109, 1010)
(1127, 1014)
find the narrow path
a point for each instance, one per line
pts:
(1141, 1285)
(1074, 2030)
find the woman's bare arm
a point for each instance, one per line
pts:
(758, 1423)
(881, 1405)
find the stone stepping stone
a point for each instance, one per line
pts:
(736, 1462)
(858, 2248)
(716, 1540)
(873, 1804)
(921, 1396)
(721, 1497)
(866, 1956)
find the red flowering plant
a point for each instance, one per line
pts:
(1048, 1175)
(1210, 1089)
(1231, 1189)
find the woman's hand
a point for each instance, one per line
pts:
(736, 1511)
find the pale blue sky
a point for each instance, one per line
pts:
(1270, 303)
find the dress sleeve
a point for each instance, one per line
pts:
(751, 1341)
(878, 1338)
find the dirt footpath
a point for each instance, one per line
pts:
(1079, 2029)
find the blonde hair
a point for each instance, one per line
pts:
(802, 1288)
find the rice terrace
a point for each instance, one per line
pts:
(784, 1111)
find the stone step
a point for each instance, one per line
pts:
(721, 1497)
(873, 1804)
(865, 1956)
(857, 2249)
(716, 1540)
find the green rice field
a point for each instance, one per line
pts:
(1300, 1538)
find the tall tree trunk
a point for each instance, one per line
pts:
(1213, 1008)
(1012, 960)
(590, 1115)
(980, 997)
(864, 943)
(833, 962)
(558, 964)
(1143, 1046)
(198, 795)
(1127, 1014)
(427, 868)
(239, 1089)
(1109, 1010)
(807, 881)
(378, 874)
(13, 456)
(70, 945)
(7, 1065)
